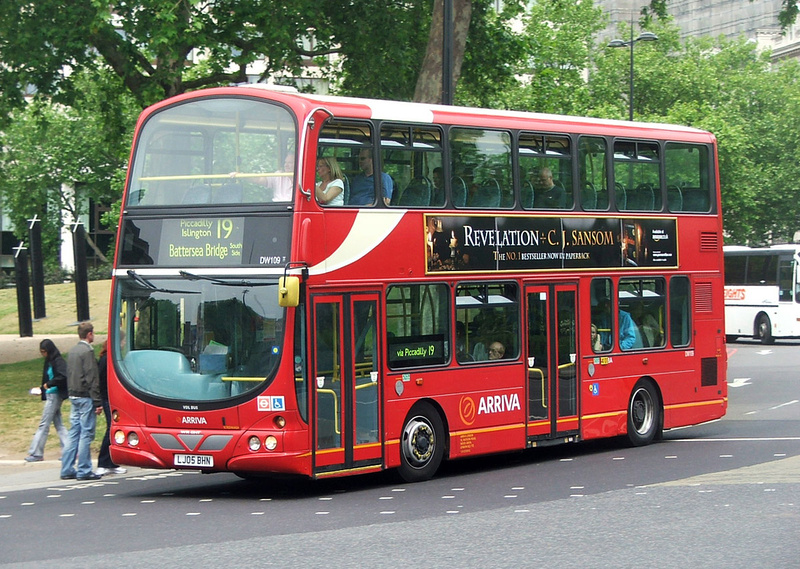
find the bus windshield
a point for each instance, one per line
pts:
(197, 339)
(216, 151)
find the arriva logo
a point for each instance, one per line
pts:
(193, 421)
(486, 405)
(467, 410)
(498, 404)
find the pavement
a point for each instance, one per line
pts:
(14, 349)
(15, 473)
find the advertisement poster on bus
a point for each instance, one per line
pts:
(527, 243)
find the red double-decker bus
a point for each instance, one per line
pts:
(460, 282)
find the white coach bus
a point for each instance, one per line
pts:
(762, 292)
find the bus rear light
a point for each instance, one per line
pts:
(280, 421)
(254, 443)
(270, 443)
(119, 437)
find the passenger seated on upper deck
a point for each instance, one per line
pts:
(438, 187)
(330, 188)
(362, 188)
(548, 195)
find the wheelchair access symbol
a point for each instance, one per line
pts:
(271, 403)
(594, 389)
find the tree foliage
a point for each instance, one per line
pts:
(91, 65)
(731, 89)
(49, 147)
(147, 43)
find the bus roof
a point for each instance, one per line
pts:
(784, 247)
(353, 107)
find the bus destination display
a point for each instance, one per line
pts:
(206, 242)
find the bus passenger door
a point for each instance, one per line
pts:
(551, 356)
(346, 384)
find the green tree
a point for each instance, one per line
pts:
(558, 40)
(52, 150)
(729, 88)
(148, 43)
(154, 46)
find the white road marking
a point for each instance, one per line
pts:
(784, 405)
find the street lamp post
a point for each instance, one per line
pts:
(644, 36)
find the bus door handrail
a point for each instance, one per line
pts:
(336, 428)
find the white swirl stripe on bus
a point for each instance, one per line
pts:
(368, 230)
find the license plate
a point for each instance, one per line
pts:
(194, 460)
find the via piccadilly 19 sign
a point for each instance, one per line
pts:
(525, 243)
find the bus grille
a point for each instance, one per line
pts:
(703, 297)
(709, 241)
(708, 371)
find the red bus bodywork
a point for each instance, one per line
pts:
(349, 251)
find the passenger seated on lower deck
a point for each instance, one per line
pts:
(597, 344)
(648, 326)
(496, 351)
(629, 336)
(462, 355)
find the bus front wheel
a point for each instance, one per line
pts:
(421, 443)
(644, 414)
(764, 329)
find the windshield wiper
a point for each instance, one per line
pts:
(150, 286)
(141, 280)
(193, 277)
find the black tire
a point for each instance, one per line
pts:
(422, 443)
(764, 330)
(644, 414)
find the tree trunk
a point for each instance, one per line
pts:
(429, 82)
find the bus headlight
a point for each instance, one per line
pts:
(270, 443)
(254, 443)
(133, 439)
(119, 437)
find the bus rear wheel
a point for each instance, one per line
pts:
(644, 414)
(764, 329)
(421, 443)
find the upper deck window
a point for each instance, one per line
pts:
(593, 173)
(637, 176)
(688, 177)
(347, 146)
(412, 156)
(545, 171)
(215, 151)
(481, 168)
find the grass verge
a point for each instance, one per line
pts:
(60, 307)
(20, 413)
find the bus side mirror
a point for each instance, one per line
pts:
(288, 291)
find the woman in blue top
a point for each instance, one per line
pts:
(54, 392)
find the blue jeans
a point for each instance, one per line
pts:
(79, 438)
(50, 414)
